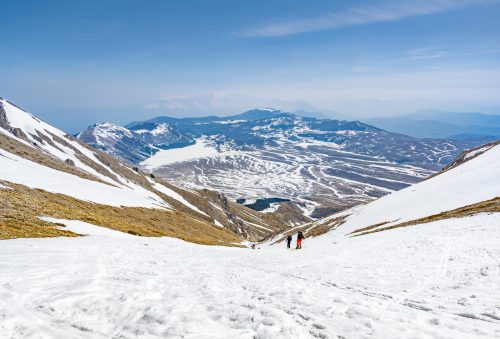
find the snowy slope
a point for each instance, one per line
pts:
(470, 182)
(441, 283)
(21, 171)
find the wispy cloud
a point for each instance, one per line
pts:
(427, 53)
(367, 93)
(385, 11)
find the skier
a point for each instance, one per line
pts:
(288, 241)
(300, 236)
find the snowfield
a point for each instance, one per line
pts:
(198, 150)
(438, 280)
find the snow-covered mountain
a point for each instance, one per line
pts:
(322, 165)
(133, 146)
(46, 172)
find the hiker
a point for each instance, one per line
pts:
(300, 236)
(288, 241)
(253, 246)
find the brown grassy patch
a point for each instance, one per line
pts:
(22, 206)
(488, 206)
(364, 229)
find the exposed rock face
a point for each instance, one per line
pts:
(4, 123)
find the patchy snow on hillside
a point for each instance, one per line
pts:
(438, 280)
(21, 171)
(35, 128)
(472, 182)
(174, 195)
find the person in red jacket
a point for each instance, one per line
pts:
(300, 237)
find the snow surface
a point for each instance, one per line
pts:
(25, 121)
(5, 187)
(480, 150)
(21, 171)
(228, 122)
(169, 156)
(200, 149)
(438, 280)
(473, 181)
(176, 196)
(104, 131)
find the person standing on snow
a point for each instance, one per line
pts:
(288, 241)
(300, 236)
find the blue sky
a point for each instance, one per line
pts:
(78, 62)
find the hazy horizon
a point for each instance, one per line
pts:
(78, 63)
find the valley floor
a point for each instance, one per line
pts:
(438, 280)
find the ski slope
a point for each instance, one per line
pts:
(406, 283)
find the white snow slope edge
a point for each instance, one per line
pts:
(473, 181)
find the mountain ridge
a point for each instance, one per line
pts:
(319, 164)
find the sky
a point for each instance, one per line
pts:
(75, 63)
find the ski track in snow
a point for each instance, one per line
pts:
(437, 280)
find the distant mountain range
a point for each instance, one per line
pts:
(436, 124)
(321, 165)
(44, 172)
